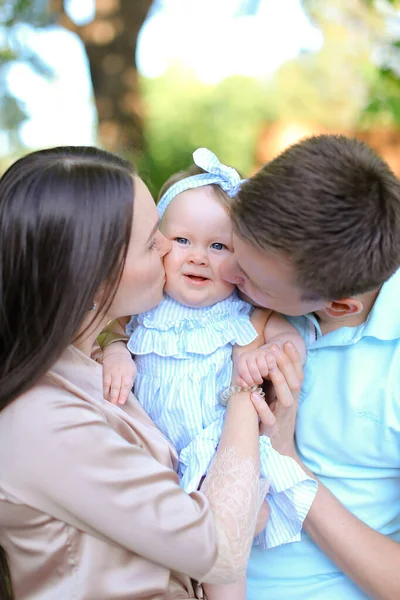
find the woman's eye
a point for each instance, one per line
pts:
(218, 246)
(181, 240)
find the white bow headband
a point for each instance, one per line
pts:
(226, 177)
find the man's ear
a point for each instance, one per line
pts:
(344, 307)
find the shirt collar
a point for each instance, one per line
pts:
(383, 322)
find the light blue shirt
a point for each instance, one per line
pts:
(348, 434)
(183, 359)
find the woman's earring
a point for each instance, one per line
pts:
(93, 307)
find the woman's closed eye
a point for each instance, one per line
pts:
(154, 244)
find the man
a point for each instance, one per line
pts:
(317, 233)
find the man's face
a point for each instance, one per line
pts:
(267, 279)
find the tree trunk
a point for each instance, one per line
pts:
(110, 41)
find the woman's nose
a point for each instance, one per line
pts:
(165, 244)
(231, 272)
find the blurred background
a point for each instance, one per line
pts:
(155, 79)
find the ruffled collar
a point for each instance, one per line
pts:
(171, 329)
(169, 314)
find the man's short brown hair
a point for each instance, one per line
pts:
(332, 206)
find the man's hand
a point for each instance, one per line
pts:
(278, 419)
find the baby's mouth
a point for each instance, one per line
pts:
(197, 278)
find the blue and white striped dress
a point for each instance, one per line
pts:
(183, 359)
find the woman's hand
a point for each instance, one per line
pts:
(278, 419)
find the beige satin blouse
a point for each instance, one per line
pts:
(90, 505)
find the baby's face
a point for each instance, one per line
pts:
(200, 230)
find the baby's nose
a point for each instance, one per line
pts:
(198, 256)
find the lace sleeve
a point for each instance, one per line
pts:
(235, 492)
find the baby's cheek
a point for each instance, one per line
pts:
(171, 263)
(229, 286)
(172, 287)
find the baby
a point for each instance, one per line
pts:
(183, 347)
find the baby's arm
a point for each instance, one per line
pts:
(278, 331)
(119, 370)
(259, 320)
(251, 362)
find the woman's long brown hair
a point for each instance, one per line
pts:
(65, 225)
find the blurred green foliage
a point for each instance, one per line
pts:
(362, 38)
(351, 82)
(183, 114)
(384, 104)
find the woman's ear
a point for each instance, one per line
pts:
(344, 307)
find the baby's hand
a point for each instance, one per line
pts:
(251, 367)
(119, 372)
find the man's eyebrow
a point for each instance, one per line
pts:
(153, 231)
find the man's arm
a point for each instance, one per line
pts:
(369, 558)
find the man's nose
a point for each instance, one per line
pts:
(230, 271)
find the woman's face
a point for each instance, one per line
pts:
(143, 278)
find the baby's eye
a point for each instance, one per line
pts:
(181, 240)
(218, 246)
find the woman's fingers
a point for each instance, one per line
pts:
(266, 416)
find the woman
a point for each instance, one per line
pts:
(90, 504)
